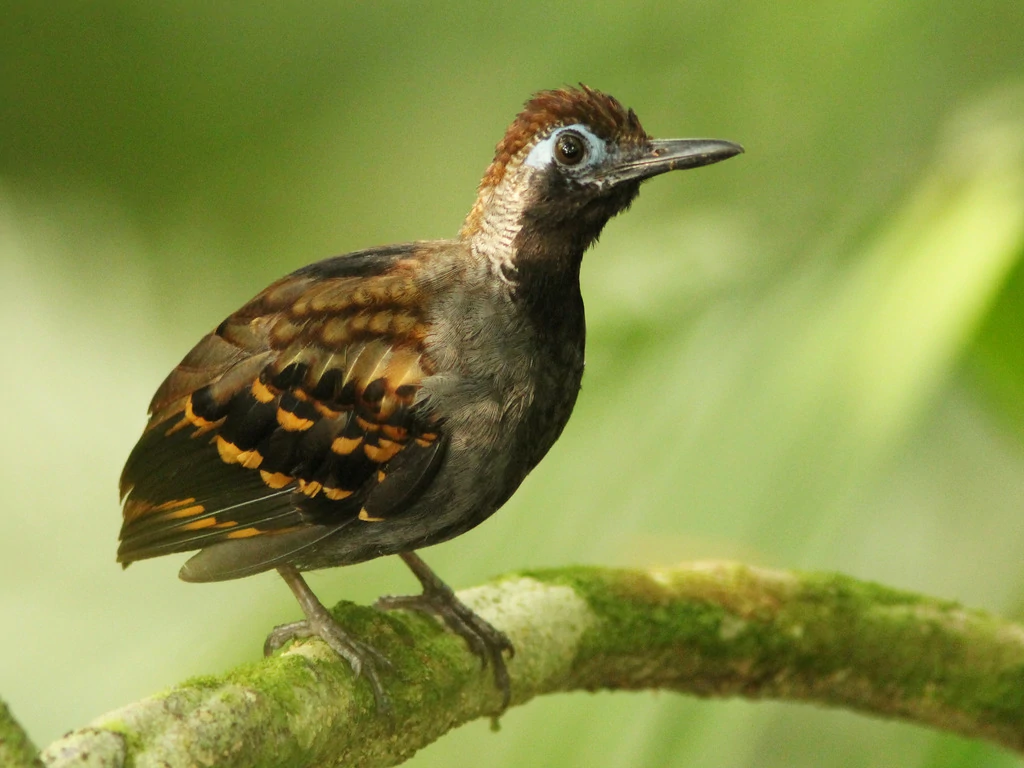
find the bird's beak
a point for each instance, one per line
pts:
(663, 155)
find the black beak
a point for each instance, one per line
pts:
(663, 155)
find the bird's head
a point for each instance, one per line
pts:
(571, 160)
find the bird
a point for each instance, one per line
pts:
(393, 398)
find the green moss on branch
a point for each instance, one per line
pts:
(16, 749)
(712, 629)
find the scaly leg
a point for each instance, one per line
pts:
(487, 642)
(362, 658)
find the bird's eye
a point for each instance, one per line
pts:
(570, 148)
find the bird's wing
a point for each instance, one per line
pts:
(298, 415)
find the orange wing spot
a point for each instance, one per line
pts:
(383, 451)
(364, 515)
(358, 323)
(331, 296)
(336, 494)
(199, 421)
(275, 479)
(134, 509)
(343, 446)
(284, 332)
(195, 525)
(367, 426)
(229, 452)
(363, 297)
(250, 459)
(425, 440)
(310, 488)
(300, 395)
(401, 291)
(395, 433)
(243, 533)
(402, 323)
(292, 423)
(323, 410)
(379, 322)
(262, 392)
(335, 332)
(195, 509)
(380, 476)
(227, 524)
(171, 504)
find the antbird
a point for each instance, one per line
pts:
(390, 399)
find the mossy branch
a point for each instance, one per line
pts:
(16, 749)
(710, 629)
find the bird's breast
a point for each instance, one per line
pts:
(503, 388)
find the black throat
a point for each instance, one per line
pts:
(557, 228)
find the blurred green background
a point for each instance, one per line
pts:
(808, 357)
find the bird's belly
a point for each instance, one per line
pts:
(488, 466)
(495, 442)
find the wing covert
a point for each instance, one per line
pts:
(301, 409)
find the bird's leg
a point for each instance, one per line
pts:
(486, 641)
(361, 657)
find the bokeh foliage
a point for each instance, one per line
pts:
(809, 356)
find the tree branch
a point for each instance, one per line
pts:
(710, 629)
(16, 748)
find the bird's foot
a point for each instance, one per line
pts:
(363, 658)
(489, 643)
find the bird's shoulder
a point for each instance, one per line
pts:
(314, 314)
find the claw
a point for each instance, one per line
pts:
(484, 640)
(363, 658)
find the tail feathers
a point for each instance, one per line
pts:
(188, 525)
(233, 560)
